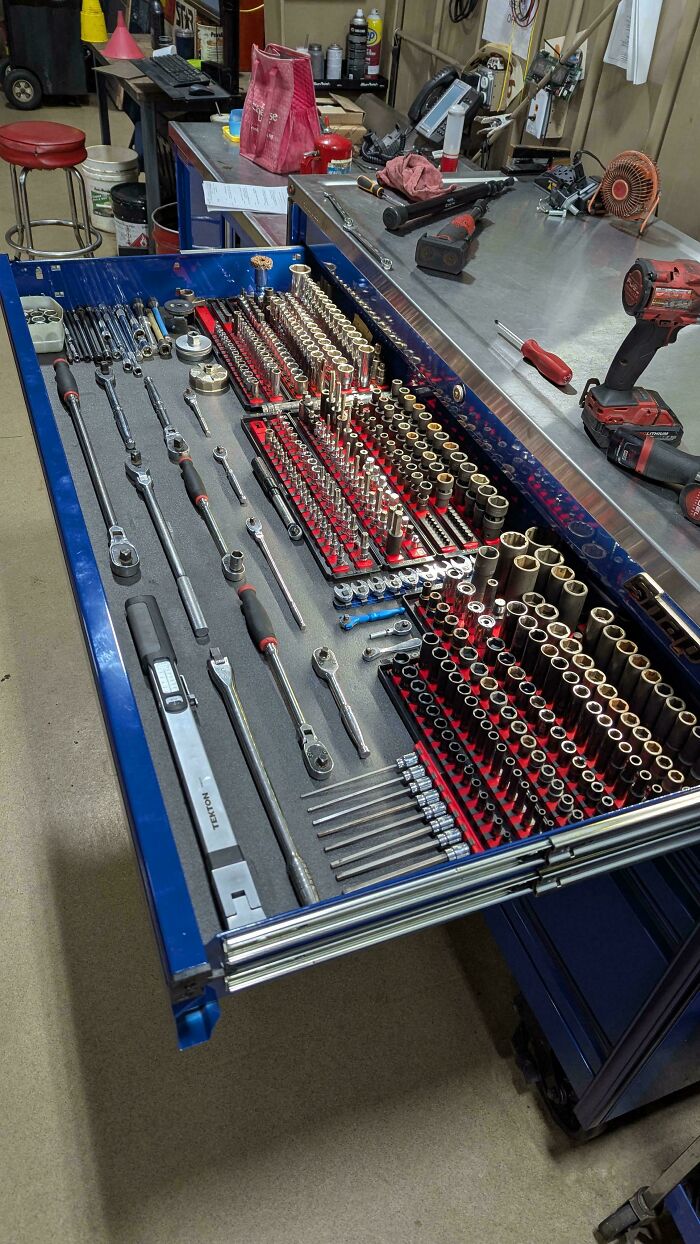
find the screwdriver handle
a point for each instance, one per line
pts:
(194, 484)
(548, 365)
(256, 618)
(372, 187)
(65, 381)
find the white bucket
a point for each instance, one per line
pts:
(106, 167)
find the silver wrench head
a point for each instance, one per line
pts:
(140, 476)
(122, 554)
(190, 398)
(317, 758)
(175, 443)
(254, 528)
(324, 663)
(220, 453)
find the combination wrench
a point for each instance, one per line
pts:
(254, 529)
(123, 556)
(140, 477)
(105, 379)
(350, 227)
(325, 664)
(317, 758)
(190, 398)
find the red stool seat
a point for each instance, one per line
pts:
(42, 144)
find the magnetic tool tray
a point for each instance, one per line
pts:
(201, 961)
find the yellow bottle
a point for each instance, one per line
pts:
(374, 42)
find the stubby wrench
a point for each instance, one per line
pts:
(325, 663)
(376, 654)
(221, 455)
(140, 477)
(123, 557)
(348, 620)
(317, 758)
(190, 398)
(401, 627)
(105, 379)
(254, 529)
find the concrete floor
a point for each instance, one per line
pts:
(372, 1100)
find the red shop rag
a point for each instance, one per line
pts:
(412, 175)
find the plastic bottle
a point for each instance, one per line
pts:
(357, 46)
(452, 142)
(375, 27)
(156, 19)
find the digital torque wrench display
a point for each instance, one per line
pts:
(230, 875)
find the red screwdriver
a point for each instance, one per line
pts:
(548, 365)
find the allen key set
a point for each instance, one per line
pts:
(449, 630)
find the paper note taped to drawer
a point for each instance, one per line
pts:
(229, 197)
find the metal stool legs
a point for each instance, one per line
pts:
(20, 239)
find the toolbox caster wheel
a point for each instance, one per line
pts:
(23, 89)
(541, 1070)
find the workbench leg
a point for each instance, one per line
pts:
(103, 107)
(150, 160)
(184, 205)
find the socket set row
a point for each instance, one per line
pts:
(282, 346)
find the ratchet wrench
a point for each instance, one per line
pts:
(270, 487)
(317, 758)
(175, 444)
(350, 227)
(325, 663)
(348, 620)
(376, 654)
(105, 379)
(254, 529)
(221, 455)
(123, 557)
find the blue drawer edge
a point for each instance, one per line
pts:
(182, 951)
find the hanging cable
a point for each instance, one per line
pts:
(460, 10)
(524, 12)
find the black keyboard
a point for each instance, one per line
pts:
(172, 72)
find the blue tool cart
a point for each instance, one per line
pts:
(597, 915)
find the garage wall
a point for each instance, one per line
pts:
(608, 116)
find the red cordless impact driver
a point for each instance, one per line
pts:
(447, 250)
(635, 426)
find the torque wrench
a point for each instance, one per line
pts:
(317, 758)
(105, 379)
(221, 455)
(140, 477)
(190, 398)
(254, 529)
(272, 491)
(325, 664)
(231, 559)
(221, 674)
(231, 878)
(123, 557)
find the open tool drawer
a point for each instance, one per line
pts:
(520, 842)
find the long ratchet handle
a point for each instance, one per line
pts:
(221, 674)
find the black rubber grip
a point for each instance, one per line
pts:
(65, 380)
(256, 618)
(193, 481)
(397, 215)
(148, 631)
(653, 458)
(636, 352)
(264, 476)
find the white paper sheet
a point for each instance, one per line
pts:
(631, 43)
(225, 195)
(498, 28)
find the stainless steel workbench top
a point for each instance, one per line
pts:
(560, 282)
(204, 147)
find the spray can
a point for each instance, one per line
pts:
(334, 62)
(357, 46)
(374, 42)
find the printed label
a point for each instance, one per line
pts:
(101, 203)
